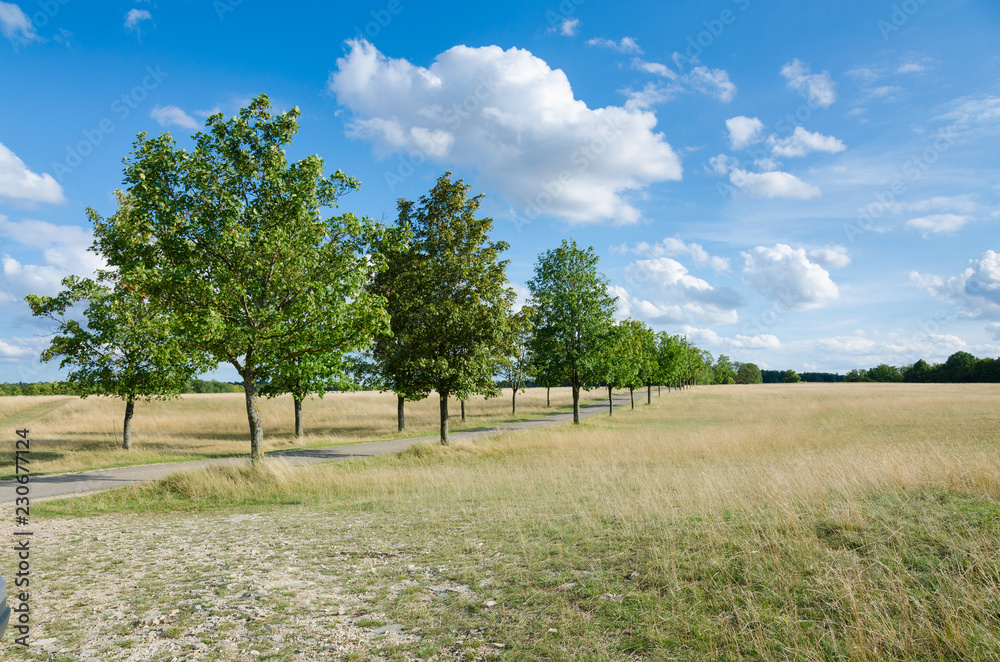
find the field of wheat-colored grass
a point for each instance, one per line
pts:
(72, 434)
(773, 522)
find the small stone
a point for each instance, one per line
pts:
(490, 603)
(386, 629)
(553, 631)
(45, 642)
(297, 584)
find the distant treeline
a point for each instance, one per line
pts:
(961, 367)
(63, 388)
(778, 376)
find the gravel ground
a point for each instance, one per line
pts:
(274, 586)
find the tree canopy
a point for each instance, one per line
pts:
(229, 239)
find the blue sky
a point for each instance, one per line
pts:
(803, 185)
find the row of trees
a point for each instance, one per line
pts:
(222, 254)
(961, 367)
(65, 388)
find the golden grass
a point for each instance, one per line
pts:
(808, 522)
(73, 434)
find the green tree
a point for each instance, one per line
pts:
(885, 373)
(723, 371)
(125, 347)
(638, 358)
(304, 375)
(230, 239)
(749, 373)
(670, 359)
(457, 295)
(918, 372)
(573, 312)
(791, 377)
(518, 365)
(857, 375)
(611, 365)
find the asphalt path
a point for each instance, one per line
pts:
(87, 482)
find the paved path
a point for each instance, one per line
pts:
(78, 484)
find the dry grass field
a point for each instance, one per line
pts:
(773, 522)
(74, 434)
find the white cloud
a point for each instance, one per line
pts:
(713, 82)
(18, 183)
(830, 257)
(857, 344)
(15, 24)
(787, 276)
(773, 184)
(64, 252)
(968, 112)
(819, 89)
(977, 289)
(938, 223)
(736, 343)
(134, 17)
(674, 247)
(993, 328)
(172, 115)
(514, 119)
(910, 68)
(801, 142)
(569, 27)
(698, 299)
(626, 45)
(959, 204)
(744, 131)
(19, 349)
(654, 68)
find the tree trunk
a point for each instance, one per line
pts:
(513, 403)
(443, 397)
(400, 415)
(631, 396)
(548, 396)
(127, 432)
(463, 411)
(611, 403)
(299, 431)
(254, 418)
(576, 400)
(649, 393)
(659, 388)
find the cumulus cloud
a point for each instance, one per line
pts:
(830, 257)
(801, 142)
(818, 89)
(63, 249)
(15, 24)
(977, 289)
(773, 184)
(744, 131)
(786, 275)
(17, 348)
(134, 17)
(172, 115)
(938, 224)
(857, 344)
(514, 119)
(626, 45)
(698, 300)
(20, 184)
(674, 247)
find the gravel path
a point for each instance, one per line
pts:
(77, 484)
(281, 586)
